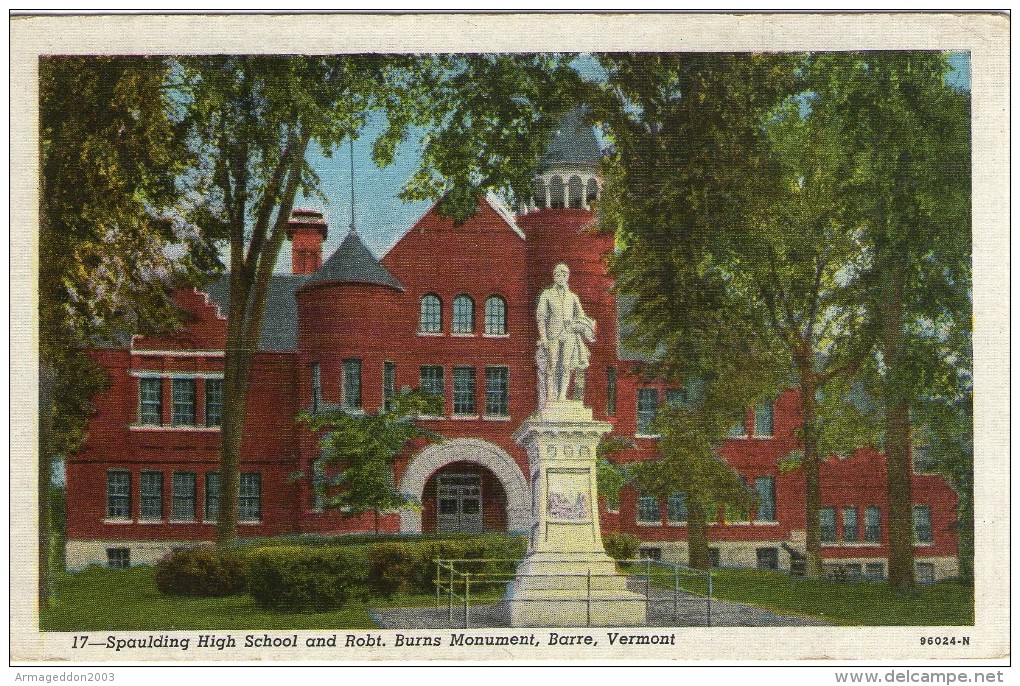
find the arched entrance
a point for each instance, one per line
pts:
(463, 498)
(471, 473)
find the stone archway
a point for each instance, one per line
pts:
(473, 450)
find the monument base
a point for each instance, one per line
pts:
(564, 589)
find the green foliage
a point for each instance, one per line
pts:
(307, 579)
(410, 567)
(357, 452)
(621, 546)
(202, 572)
(610, 477)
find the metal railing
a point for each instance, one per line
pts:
(661, 586)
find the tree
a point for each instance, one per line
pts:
(725, 195)
(690, 435)
(358, 450)
(486, 118)
(909, 184)
(114, 233)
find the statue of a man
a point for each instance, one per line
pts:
(562, 330)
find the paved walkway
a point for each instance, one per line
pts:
(662, 611)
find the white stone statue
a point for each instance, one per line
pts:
(563, 328)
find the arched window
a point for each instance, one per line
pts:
(576, 187)
(495, 316)
(431, 319)
(592, 193)
(556, 193)
(463, 314)
(539, 195)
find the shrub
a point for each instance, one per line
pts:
(201, 572)
(410, 566)
(302, 579)
(621, 546)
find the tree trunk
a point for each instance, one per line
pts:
(45, 531)
(812, 479)
(897, 430)
(697, 536)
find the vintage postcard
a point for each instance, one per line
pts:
(574, 338)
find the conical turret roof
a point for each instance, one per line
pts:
(353, 263)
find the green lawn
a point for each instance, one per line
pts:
(849, 603)
(100, 599)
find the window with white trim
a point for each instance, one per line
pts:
(352, 384)
(151, 507)
(183, 393)
(213, 402)
(827, 524)
(431, 381)
(495, 316)
(763, 419)
(463, 314)
(611, 391)
(118, 558)
(851, 525)
(497, 391)
(389, 384)
(872, 524)
(430, 318)
(647, 410)
(182, 508)
(150, 401)
(676, 508)
(249, 501)
(648, 511)
(316, 386)
(922, 524)
(118, 494)
(464, 390)
(765, 486)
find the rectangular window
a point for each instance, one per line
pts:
(150, 394)
(872, 524)
(316, 387)
(851, 528)
(766, 489)
(874, 571)
(611, 391)
(182, 508)
(650, 553)
(213, 402)
(767, 558)
(763, 419)
(648, 510)
(922, 524)
(497, 391)
(118, 495)
(249, 502)
(925, 573)
(389, 384)
(118, 558)
(853, 571)
(647, 409)
(676, 508)
(183, 392)
(152, 497)
(352, 384)
(432, 381)
(212, 496)
(464, 391)
(827, 524)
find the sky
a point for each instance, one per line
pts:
(380, 217)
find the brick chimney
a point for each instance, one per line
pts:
(306, 231)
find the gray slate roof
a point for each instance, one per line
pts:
(573, 141)
(353, 262)
(279, 324)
